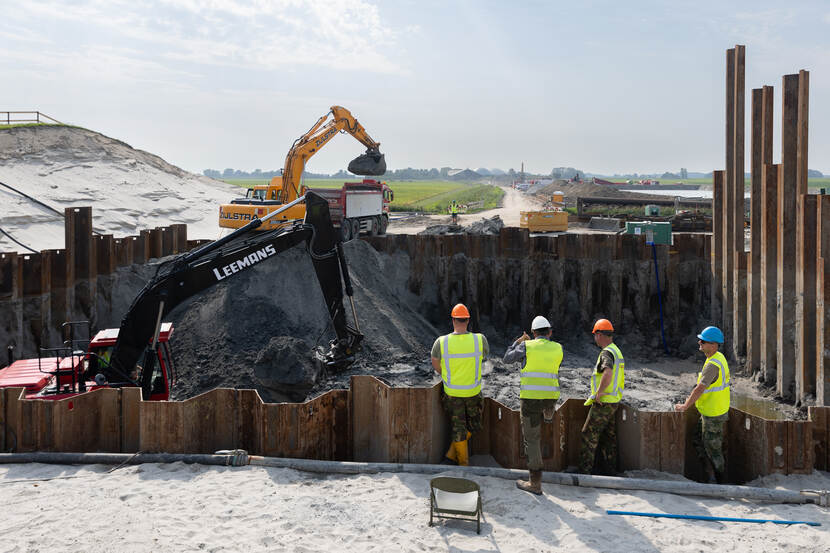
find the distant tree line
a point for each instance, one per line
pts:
(410, 173)
(255, 174)
(566, 173)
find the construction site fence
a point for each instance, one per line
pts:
(373, 422)
(22, 117)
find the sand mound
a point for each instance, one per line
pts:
(129, 189)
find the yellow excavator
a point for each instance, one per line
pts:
(261, 200)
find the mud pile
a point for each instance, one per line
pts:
(258, 330)
(490, 225)
(585, 190)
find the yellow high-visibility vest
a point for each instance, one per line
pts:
(540, 375)
(714, 400)
(612, 393)
(454, 208)
(461, 357)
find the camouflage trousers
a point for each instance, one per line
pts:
(599, 440)
(464, 413)
(531, 414)
(708, 441)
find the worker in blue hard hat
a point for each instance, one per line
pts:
(711, 397)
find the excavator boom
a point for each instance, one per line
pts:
(286, 188)
(372, 163)
(193, 272)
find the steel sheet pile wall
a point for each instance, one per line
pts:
(771, 298)
(375, 422)
(820, 419)
(39, 292)
(511, 277)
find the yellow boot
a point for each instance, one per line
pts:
(450, 454)
(461, 453)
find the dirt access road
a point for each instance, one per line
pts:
(512, 204)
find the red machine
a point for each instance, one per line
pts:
(67, 371)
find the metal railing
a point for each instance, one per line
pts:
(27, 117)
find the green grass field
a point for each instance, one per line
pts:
(421, 196)
(15, 125)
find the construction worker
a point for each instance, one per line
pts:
(540, 358)
(454, 211)
(711, 397)
(599, 433)
(458, 358)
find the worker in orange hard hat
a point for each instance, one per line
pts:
(599, 433)
(458, 357)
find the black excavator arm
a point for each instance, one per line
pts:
(190, 273)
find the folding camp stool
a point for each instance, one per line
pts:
(456, 498)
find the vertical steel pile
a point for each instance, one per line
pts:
(773, 297)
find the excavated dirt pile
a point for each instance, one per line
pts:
(258, 330)
(491, 225)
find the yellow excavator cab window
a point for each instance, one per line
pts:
(273, 194)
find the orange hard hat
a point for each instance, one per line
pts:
(460, 311)
(603, 324)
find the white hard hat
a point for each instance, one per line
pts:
(539, 322)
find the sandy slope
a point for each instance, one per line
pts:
(177, 507)
(129, 190)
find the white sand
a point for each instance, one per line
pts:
(129, 190)
(178, 507)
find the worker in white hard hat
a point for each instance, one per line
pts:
(540, 358)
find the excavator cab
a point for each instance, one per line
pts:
(256, 193)
(162, 370)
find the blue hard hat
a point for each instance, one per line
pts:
(711, 334)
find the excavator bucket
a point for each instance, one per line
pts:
(372, 164)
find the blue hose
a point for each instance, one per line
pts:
(701, 517)
(659, 298)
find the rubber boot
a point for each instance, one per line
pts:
(461, 453)
(709, 473)
(534, 485)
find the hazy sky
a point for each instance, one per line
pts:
(601, 86)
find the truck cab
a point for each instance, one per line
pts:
(64, 372)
